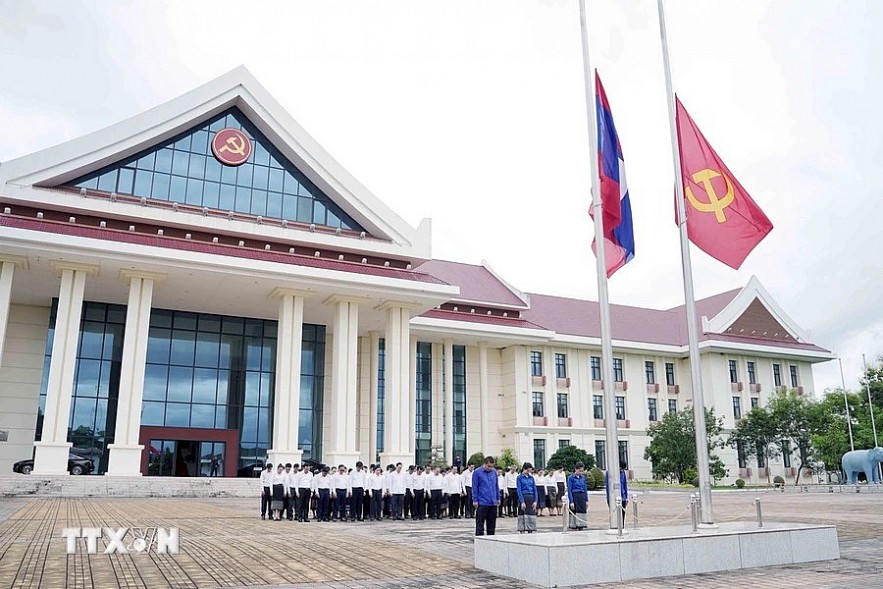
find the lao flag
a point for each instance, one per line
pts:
(722, 219)
(616, 210)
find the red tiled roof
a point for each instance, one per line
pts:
(480, 318)
(116, 235)
(476, 283)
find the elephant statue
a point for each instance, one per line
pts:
(866, 461)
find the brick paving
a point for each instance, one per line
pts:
(223, 543)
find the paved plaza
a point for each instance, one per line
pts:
(223, 543)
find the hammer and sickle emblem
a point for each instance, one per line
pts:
(715, 204)
(235, 144)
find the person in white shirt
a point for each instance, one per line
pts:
(501, 485)
(409, 492)
(396, 485)
(278, 503)
(376, 482)
(540, 483)
(323, 488)
(266, 490)
(417, 507)
(561, 482)
(551, 493)
(304, 492)
(289, 498)
(358, 480)
(511, 489)
(341, 482)
(454, 490)
(436, 487)
(387, 496)
(467, 491)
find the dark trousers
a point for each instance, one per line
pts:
(356, 503)
(286, 507)
(366, 503)
(387, 506)
(512, 502)
(340, 504)
(409, 502)
(502, 506)
(398, 504)
(453, 505)
(291, 508)
(418, 509)
(303, 505)
(376, 504)
(266, 497)
(467, 503)
(485, 515)
(435, 499)
(323, 509)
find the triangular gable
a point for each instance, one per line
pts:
(754, 313)
(184, 170)
(96, 151)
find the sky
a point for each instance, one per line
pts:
(473, 113)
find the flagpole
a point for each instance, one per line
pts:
(846, 403)
(707, 511)
(612, 453)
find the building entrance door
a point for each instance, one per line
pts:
(179, 452)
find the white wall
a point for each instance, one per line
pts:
(20, 377)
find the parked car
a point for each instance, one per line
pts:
(252, 469)
(76, 464)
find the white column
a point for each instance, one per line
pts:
(286, 397)
(411, 413)
(483, 396)
(449, 401)
(51, 454)
(372, 388)
(7, 270)
(397, 400)
(344, 372)
(125, 452)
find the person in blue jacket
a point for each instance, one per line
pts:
(623, 487)
(526, 488)
(578, 497)
(485, 497)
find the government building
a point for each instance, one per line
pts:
(203, 287)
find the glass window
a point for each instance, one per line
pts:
(617, 370)
(620, 408)
(537, 404)
(761, 456)
(600, 454)
(672, 405)
(737, 408)
(734, 373)
(424, 403)
(562, 443)
(740, 455)
(777, 375)
(562, 405)
(178, 169)
(536, 363)
(381, 397)
(598, 406)
(786, 453)
(596, 368)
(539, 453)
(651, 409)
(560, 366)
(623, 454)
(752, 376)
(650, 371)
(793, 370)
(754, 402)
(670, 374)
(459, 391)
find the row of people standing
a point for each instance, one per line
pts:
(359, 494)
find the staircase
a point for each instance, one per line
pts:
(19, 485)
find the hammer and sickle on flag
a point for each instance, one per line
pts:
(722, 219)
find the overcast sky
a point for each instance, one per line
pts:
(472, 113)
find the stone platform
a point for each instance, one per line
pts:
(561, 559)
(22, 485)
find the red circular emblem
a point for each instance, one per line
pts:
(231, 147)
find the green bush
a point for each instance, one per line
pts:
(476, 460)
(694, 481)
(595, 479)
(568, 456)
(689, 475)
(778, 481)
(508, 458)
(740, 484)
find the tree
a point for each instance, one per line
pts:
(476, 460)
(672, 448)
(568, 456)
(797, 419)
(508, 458)
(757, 434)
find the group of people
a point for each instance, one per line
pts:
(373, 493)
(365, 493)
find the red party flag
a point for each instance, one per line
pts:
(722, 219)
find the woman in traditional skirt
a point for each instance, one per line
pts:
(539, 479)
(527, 494)
(551, 493)
(577, 497)
(560, 477)
(278, 502)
